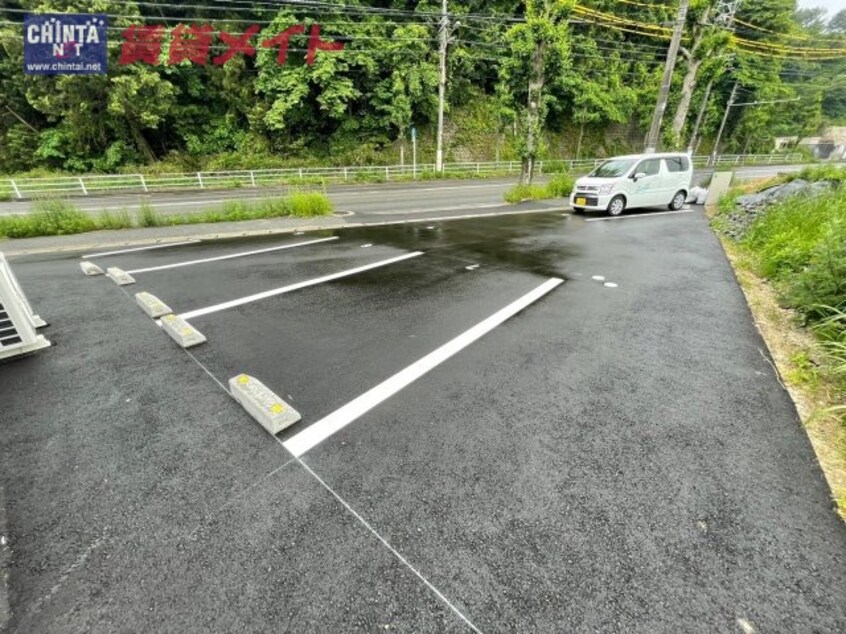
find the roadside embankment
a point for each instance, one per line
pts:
(787, 242)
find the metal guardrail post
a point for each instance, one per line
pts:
(387, 174)
(301, 173)
(15, 187)
(253, 178)
(143, 183)
(200, 180)
(346, 175)
(81, 184)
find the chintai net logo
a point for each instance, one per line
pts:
(65, 44)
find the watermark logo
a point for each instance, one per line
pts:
(65, 44)
(193, 43)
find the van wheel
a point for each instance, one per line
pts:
(617, 206)
(678, 201)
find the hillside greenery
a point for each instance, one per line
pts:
(527, 79)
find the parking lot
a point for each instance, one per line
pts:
(535, 422)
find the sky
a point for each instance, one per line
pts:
(833, 6)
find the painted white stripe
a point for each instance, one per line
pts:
(294, 287)
(231, 256)
(651, 215)
(150, 248)
(340, 418)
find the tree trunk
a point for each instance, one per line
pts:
(536, 82)
(688, 86)
(579, 144)
(141, 142)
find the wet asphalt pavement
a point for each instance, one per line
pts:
(609, 459)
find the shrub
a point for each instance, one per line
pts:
(560, 186)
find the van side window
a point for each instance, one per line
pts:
(650, 167)
(677, 164)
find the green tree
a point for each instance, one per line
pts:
(539, 49)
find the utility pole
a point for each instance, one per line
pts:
(730, 103)
(664, 93)
(439, 154)
(699, 118)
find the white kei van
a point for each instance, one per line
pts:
(639, 180)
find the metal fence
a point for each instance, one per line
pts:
(87, 185)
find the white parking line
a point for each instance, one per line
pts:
(150, 248)
(340, 418)
(650, 215)
(232, 256)
(294, 287)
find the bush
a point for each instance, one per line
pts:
(560, 186)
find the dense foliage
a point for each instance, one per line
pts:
(596, 78)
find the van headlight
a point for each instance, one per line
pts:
(606, 189)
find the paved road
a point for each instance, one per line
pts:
(364, 199)
(608, 459)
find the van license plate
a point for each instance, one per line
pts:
(581, 201)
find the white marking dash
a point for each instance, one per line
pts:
(294, 287)
(319, 431)
(231, 256)
(634, 217)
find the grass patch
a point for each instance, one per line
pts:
(519, 193)
(309, 204)
(801, 245)
(559, 186)
(114, 220)
(61, 217)
(49, 218)
(830, 173)
(792, 265)
(147, 216)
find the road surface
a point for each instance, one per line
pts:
(515, 446)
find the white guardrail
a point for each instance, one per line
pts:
(104, 183)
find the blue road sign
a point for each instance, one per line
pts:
(65, 44)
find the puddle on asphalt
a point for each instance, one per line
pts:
(529, 243)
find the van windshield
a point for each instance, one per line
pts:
(613, 168)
